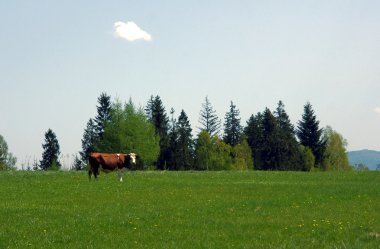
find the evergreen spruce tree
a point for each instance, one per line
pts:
(149, 108)
(254, 133)
(185, 143)
(77, 164)
(51, 151)
(232, 127)
(88, 141)
(270, 146)
(310, 135)
(103, 116)
(173, 143)
(208, 119)
(161, 123)
(288, 146)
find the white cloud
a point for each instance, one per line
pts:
(130, 31)
(377, 109)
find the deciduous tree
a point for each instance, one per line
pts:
(7, 160)
(242, 156)
(211, 153)
(128, 131)
(335, 154)
(306, 159)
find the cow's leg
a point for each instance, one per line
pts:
(96, 172)
(120, 176)
(89, 174)
(90, 169)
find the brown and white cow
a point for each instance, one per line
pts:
(108, 162)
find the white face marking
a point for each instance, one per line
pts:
(133, 157)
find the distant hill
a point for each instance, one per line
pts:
(370, 158)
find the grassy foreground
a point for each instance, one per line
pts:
(190, 210)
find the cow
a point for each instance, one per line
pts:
(108, 162)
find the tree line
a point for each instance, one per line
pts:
(165, 141)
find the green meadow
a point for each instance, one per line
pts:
(163, 209)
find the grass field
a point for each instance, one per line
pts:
(190, 210)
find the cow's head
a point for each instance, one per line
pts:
(133, 156)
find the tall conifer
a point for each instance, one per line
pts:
(51, 151)
(270, 146)
(88, 141)
(173, 143)
(103, 116)
(254, 133)
(160, 121)
(208, 119)
(287, 144)
(185, 150)
(310, 135)
(232, 127)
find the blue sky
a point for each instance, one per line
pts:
(56, 57)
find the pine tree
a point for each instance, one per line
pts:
(51, 151)
(283, 120)
(232, 127)
(161, 123)
(149, 108)
(254, 133)
(270, 147)
(160, 118)
(208, 119)
(185, 143)
(288, 147)
(103, 115)
(310, 135)
(77, 164)
(88, 141)
(173, 143)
